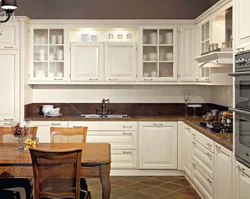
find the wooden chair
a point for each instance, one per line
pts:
(7, 181)
(56, 173)
(6, 134)
(68, 135)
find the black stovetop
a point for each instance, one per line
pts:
(216, 127)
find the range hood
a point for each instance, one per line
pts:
(216, 59)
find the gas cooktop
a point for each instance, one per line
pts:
(216, 127)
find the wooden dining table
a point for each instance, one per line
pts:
(95, 161)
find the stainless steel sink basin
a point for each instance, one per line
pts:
(104, 116)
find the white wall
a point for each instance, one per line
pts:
(119, 94)
(222, 95)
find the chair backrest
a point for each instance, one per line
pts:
(6, 134)
(68, 135)
(56, 173)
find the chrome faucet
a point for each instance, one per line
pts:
(105, 109)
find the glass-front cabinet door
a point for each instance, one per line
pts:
(158, 54)
(48, 55)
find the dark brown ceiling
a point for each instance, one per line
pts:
(112, 9)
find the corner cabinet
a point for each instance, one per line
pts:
(158, 54)
(242, 181)
(9, 81)
(157, 145)
(87, 61)
(242, 29)
(120, 62)
(48, 54)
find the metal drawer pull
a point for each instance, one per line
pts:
(148, 79)
(8, 47)
(8, 119)
(209, 145)
(93, 79)
(194, 134)
(127, 126)
(194, 164)
(208, 154)
(194, 143)
(58, 78)
(55, 123)
(127, 133)
(240, 48)
(113, 79)
(127, 152)
(77, 126)
(6, 124)
(158, 124)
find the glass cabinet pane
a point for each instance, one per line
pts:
(40, 36)
(150, 70)
(56, 36)
(56, 53)
(207, 30)
(166, 53)
(56, 69)
(166, 70)
(40, 53)
(149, 53)
(166, 36)
(150, 36)
(40, 69)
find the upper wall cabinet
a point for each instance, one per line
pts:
(48, 56)
(188, 50)
(204, 36)
(158, 54)
(87, 61)
(242, 15)
(9, 36)
(120, 62)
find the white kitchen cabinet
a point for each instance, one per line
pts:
(157, 145)
(187, 150)
(242, 181)
(124, 159)
(122, 137)
(242, 29)
(9, 85)
(87, 61)
(49, 59)
(43, 131)
(9, 38)
(120, 62)
(158, 54)
(188, 50)
(223, 173)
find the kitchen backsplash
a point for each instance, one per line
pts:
(132, 109)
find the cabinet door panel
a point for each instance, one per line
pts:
(9, 38)
(242, 27)
(120, 62)
(9, 85)
(86, 62)
(158, 145)
(124, 159)
(242, 182)
(188, 151)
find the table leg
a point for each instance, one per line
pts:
(105, 180)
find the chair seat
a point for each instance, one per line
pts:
(9, 194)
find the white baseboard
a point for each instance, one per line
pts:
(117, 172)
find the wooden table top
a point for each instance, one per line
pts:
(92, 153)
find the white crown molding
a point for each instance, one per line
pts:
(213, 9)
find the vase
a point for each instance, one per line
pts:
(21, 143)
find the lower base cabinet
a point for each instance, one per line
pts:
(157, 145)
(242, 181)
(124, 159)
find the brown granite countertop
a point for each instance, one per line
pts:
(192, 122)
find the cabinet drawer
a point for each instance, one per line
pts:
(202, 139)
(117, 139)
(50, 123)
(106, 125)
(204, 158)
(5, 124)
(123, 159)
(203, 182)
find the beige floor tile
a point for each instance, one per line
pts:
(171, 187)
(139, 195)
(122, 192)
(138, 186)
(176, 195)
(167, 178)
(122, 182)
(189, 191)
(183, 182)
(155, 191)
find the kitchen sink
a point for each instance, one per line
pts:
(104, 116)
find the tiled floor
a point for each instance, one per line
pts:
(144, 187)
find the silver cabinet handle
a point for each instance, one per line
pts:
(194, 143)
(209, 145)
(6, 124)
(148, 79)
(127, 126)
(194, 134)
(58, 79)
(56, 124)
(158, 124)
(194, 164)
(8, 119)
(127, 152)
(113, 79)
(239, 49)
(8, 47)
(93, 79)
(77, 126)
(127, 133)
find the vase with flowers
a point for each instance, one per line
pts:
(21, 132)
